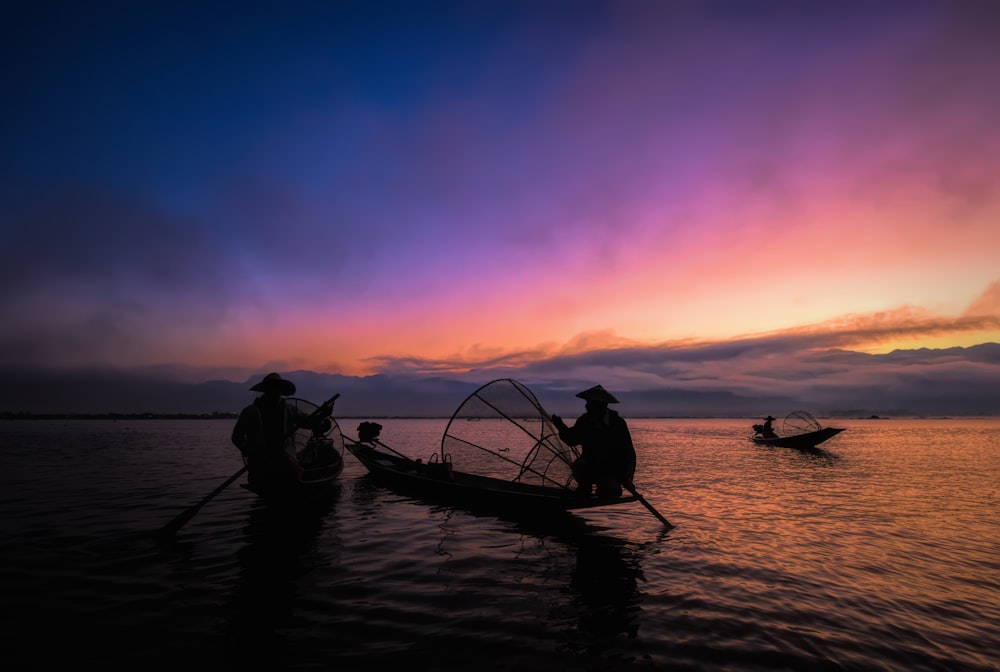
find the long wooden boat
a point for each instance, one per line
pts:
(441, 483)
(321, 463)
(799, 441)
(800, 430)
(511, 461)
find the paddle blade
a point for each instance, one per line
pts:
(181, 520)
(171, 528)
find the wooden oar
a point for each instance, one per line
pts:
(356, 442)
(189, 513)
(631, 488)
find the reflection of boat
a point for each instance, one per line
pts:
(507, 465)
(799, 430)
(318, 454)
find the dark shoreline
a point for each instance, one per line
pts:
(217, 415)
(227, 415)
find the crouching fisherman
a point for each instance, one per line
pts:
(607, 456)
(766, 430)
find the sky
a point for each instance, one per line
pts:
(209, 190)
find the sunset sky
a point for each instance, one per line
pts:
(361, 187)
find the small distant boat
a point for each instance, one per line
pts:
(800, 430)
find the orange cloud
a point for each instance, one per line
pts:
(987, 304)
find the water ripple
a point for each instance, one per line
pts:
(880, 553)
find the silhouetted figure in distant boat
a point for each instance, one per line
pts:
(265, 435)
(607, 456)
(766, 430)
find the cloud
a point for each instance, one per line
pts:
(987, 304)
(91, 273)
(174, 192)
(604, 349)
(813, 362)
(953, 381)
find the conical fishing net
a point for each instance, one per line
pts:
(327, 436)
(502, 431)
(799, 422)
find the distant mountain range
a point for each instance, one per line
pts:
(924, 382)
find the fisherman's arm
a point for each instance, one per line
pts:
(569, 435)
(239, 435)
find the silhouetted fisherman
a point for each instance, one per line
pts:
(766, 430)
(607, 456)
(265, 434)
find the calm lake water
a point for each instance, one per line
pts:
(880, 552)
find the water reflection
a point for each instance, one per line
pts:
(606, 582)
(603, 584)
(815, 453)
(279, 552)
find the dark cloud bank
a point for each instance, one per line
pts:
(714, 382)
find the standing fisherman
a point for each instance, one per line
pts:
(264, 433)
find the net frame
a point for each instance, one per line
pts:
(302, 435)
(502, 431)
(799, 422)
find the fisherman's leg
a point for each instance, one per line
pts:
(256, 469)
(288, 472)
(608, 487)
(582, 473)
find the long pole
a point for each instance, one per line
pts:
(635, 493)
(181, 520)
(189, 513)
(375, 441)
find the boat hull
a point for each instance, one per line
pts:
(440, 483)
(799, 441)
(314, 485)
